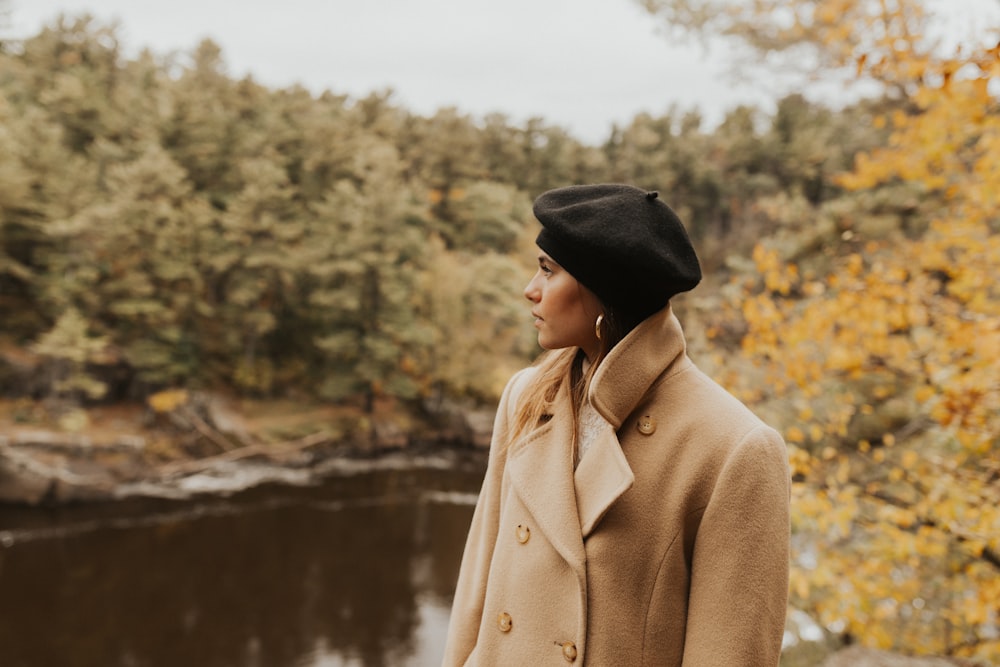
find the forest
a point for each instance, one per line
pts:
(165, 227)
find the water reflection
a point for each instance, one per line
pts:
(359, 571)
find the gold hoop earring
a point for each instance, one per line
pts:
(597, 326)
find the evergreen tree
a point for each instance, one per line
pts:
(364, 262)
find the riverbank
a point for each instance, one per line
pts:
(179, 444)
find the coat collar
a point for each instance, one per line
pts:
(639, 360)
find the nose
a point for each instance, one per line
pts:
(531, 291)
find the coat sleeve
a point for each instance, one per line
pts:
(470, 592)
(739, 572)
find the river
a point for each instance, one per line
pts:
(358, 570)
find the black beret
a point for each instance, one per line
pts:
(623, 243)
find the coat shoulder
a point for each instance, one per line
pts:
(507, 408)
(693, 388)
(703, 412)
(520, 381)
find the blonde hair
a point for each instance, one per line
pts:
(534, 405)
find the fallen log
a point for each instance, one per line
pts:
(274, 452)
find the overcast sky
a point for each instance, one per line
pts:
(579, 64)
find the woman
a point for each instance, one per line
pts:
(633, 512)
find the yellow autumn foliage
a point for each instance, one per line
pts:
(167, 400)
(889, 366)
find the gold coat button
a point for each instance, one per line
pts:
(505, 622)
(646, 425)
(523, 533)
(569, 651)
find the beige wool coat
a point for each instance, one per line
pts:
(667, 545)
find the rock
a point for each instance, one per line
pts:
(19, 483)
(224, 414)
(33, 477)
(859, 656)
(479, 427)
(805, 642)
(461, 421)
(51, 440)
(130, 442)
(387, 434)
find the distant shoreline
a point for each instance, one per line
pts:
(151, 457)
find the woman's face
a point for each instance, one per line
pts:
(564, 310)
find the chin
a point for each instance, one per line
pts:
(547, 345)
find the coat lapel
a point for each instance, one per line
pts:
(541, 473)
(654, 348)
(601, 478)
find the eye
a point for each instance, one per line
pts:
(545, 268)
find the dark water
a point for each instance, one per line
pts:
(357, 571)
